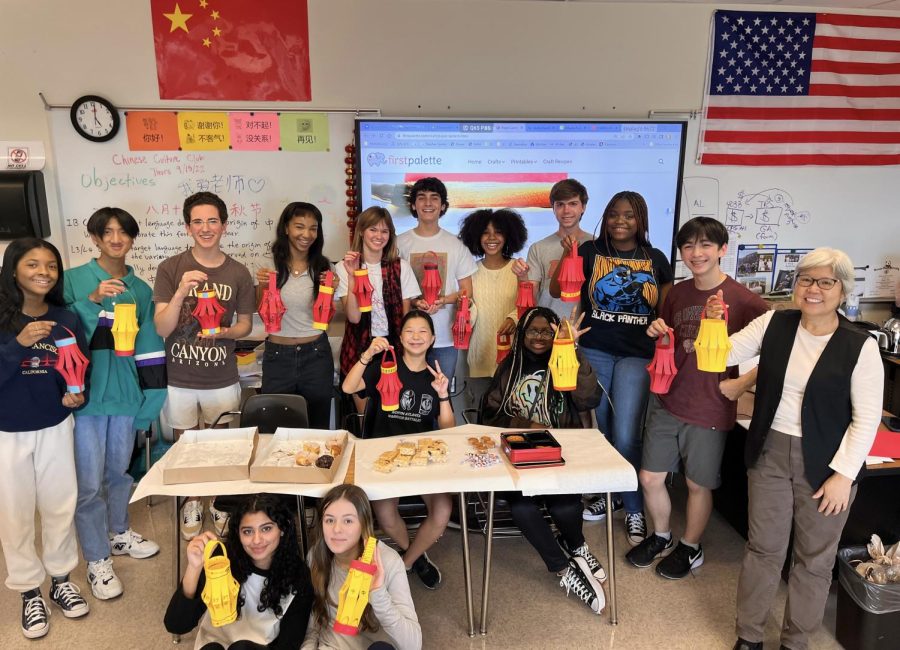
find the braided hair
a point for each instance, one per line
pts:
(550, 399)
(639, 207)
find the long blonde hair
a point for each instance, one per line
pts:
(368, 218)
(321, 558)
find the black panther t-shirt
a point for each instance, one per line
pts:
(620, 297)
(419, 405)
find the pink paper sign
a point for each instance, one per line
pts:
(255, 131)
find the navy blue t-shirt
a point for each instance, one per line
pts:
(419, 406)
(31, 389)
(620, 297)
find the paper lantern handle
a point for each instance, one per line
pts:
(670, 334)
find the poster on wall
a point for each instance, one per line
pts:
(755, 264)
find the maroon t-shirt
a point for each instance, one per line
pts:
(694, 396)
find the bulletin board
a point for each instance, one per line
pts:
(152, 185)
(855, 209)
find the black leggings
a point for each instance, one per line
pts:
(237, 645)
(565, 511)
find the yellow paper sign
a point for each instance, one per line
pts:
(203, 131)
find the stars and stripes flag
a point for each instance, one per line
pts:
(802, 89)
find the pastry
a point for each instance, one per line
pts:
(385, 466)
(487, 441)
(515, 438)
(421, 458)
(402, 460)
(324, 461)
(334, 448)
(303, 459)
(312, 447)
(406, 448)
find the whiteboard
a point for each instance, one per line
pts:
(152, 185)
(855, 209)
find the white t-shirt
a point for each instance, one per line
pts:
(455, 263)
(543, 258)
(409, 289)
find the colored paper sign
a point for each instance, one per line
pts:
(203, 131)
(152, 131)
(255, 131)
(304, 131)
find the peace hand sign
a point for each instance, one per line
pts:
(441, 383)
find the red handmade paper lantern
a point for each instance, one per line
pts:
(209, 312)
(504, 345)
(571, 276)
(363, 289)
(389, 385)
(525, 297)
(462, 326)
(662, 367)
(71, 362)
(271, 309)
(323, 308)
(431, 280)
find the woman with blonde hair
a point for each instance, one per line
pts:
(343, 525)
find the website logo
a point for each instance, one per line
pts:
(375, 159)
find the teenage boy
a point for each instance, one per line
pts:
(202, 369)
(689, 424)
(127, 393)
(424, 243)
(569, 200)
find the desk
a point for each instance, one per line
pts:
(592, 465)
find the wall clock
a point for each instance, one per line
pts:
(95, 118)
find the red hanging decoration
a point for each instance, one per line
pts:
(462, 326)
(323, 308)
(525, 297)
(431, 280)
(662, 367)
(571, 276)
(71, 362)
(209, 312)
(389, 385)
(504, 345)
(363, 289)
(352, 213)
(271, 309)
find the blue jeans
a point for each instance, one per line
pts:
(103, 446)
(628, 383)
(447, 358)
(306, 369)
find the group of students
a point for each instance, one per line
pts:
(627, 300)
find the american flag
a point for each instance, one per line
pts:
(802, 89)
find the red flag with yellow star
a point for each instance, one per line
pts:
(232, 49)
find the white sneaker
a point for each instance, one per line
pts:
(191, 519)
(132, 544)
(219, 519)
(105, 584)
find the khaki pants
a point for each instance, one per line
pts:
(779, 496)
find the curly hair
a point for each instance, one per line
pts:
(317, 263)
(321, 558)
(11, 297)
(288, 573)
(507, 222)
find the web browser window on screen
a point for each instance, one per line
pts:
(513, 164)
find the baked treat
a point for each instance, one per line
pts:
(473, 441)
(420, 459)
(402, 460)
(406, 448)
(488, 442)
(515, 438)
(312, 447)
(324, 461)
(334, 448)
(304, 459)
(384, 466)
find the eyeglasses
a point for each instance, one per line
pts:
(823, 283)
(539, 334)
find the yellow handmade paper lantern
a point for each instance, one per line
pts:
(712, 344)
(563, 360)
(220, 594)
(124, 328)
(354, 594)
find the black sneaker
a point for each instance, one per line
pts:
(743, 644)
(427, 571)
(596, 509)
(67, 596)
(35, 615)
(635, 527)
(584, 551)
(578, 580)
(651, 548)
(680, 562)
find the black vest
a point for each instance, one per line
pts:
(826, 410)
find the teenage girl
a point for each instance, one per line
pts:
(424, 405)
(343, 525)
(275, 596)
(298, 358)
(37, 457)
(626, 282)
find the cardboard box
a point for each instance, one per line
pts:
(297, 473)
(194, 457)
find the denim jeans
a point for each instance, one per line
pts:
(447, 358)
(103, 446)
(306, 369)
(628, 383)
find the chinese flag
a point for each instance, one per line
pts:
(232, 49)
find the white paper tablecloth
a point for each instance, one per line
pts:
(152, 483)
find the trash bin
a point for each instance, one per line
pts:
(868, 615)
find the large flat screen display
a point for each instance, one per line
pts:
(514, 163)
